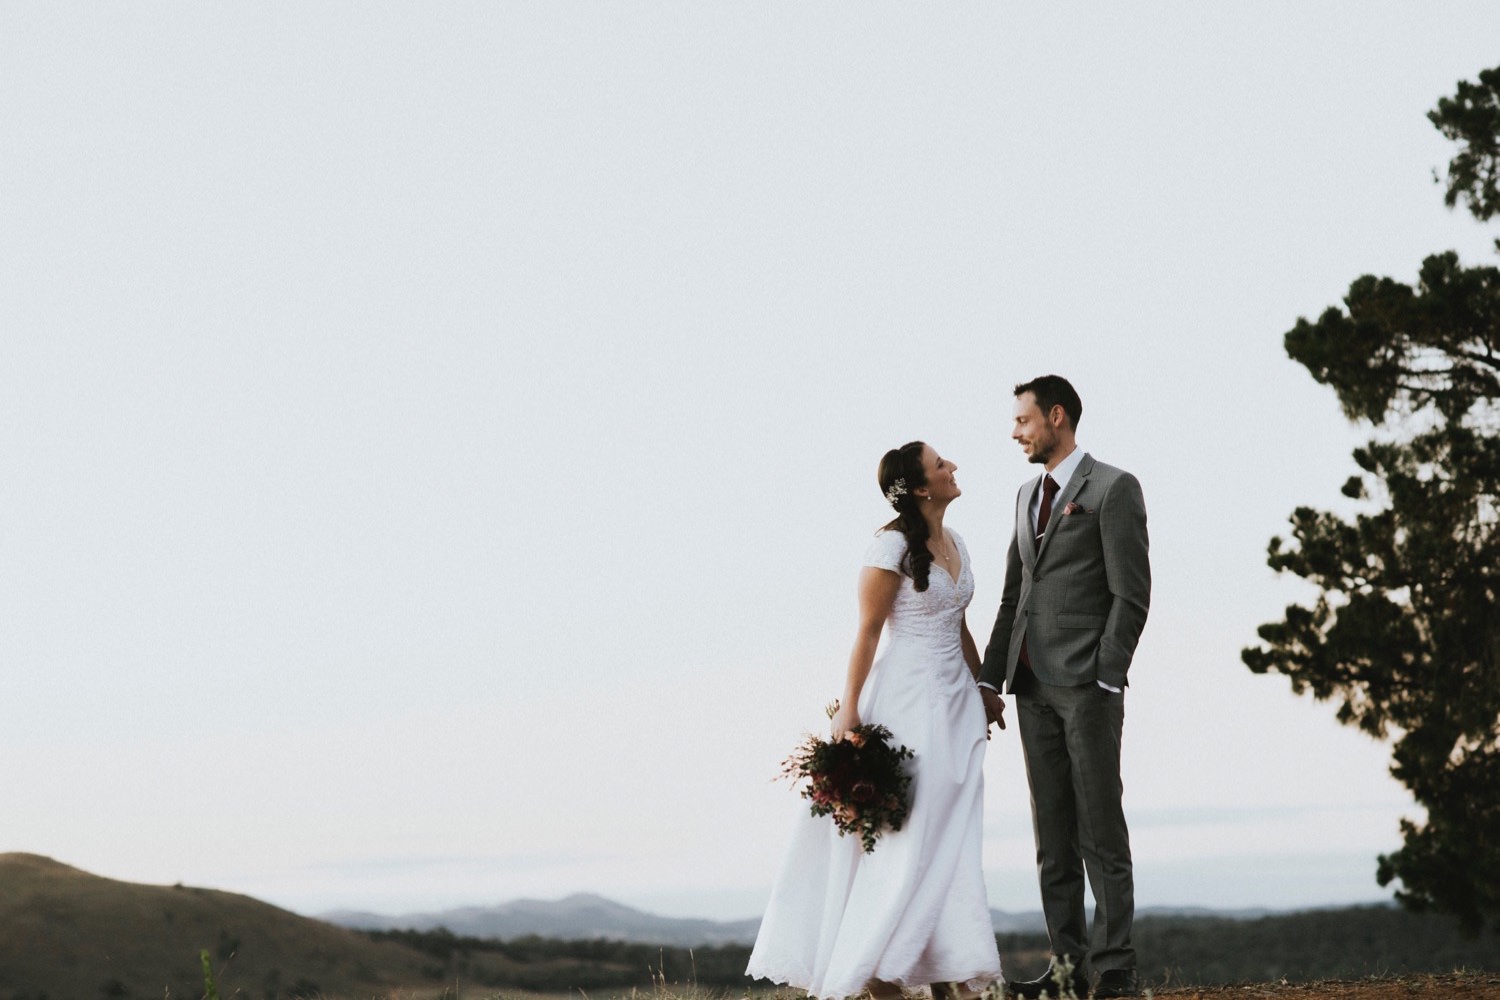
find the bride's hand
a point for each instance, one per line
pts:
(845, 719)
(994, 709)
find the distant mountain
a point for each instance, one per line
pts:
(67, 933)
(583, 916)
(1250, 913)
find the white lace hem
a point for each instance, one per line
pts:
(977, 982)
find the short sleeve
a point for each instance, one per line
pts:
(886, 551)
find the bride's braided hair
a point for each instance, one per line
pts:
(905, 464)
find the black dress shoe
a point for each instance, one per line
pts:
(1072, 987)
(1117, 983)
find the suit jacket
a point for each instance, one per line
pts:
(1079, 599)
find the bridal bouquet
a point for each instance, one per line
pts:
(858, 780)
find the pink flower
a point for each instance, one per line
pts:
(858, 781)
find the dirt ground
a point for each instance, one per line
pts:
(1463, 985)
(1455, 985)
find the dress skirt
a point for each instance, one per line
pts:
(914, 911)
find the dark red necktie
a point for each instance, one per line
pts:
(1043, 515)
(1049, 490)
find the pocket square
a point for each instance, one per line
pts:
(1075, 508)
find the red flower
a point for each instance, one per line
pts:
(859, 782)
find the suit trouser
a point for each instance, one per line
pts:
(1071, 739)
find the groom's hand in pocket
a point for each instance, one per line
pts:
(994, 708)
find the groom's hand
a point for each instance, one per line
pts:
(994, 707)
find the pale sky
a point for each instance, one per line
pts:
(439, 442)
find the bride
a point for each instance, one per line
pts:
(914, 912)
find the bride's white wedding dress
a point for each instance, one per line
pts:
(913, 912)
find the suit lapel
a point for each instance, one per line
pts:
(1061, 501)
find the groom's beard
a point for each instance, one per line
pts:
(1042, 453)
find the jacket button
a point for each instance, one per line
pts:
(1036, 579)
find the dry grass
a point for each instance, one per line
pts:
(1457, 985)
(1451, 986)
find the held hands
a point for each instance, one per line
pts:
(994, 709)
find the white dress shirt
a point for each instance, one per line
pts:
(1062, 475)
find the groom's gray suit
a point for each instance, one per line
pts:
(1076, 603)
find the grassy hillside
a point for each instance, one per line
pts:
(69, 935)
(1349, 944)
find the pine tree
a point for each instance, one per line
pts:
(1406, 626)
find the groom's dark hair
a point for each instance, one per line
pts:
(1054, 390)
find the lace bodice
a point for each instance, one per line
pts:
(936, 614)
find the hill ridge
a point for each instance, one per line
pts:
(586, 915)
(580, 915)
(71, 933)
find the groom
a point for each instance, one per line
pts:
(1077, 585)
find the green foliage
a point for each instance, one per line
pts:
(210, 988)
(1395, 350)
(1405, 628)
(1472, 117)
(550, 966)
(1347, 943)
(859, 781)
